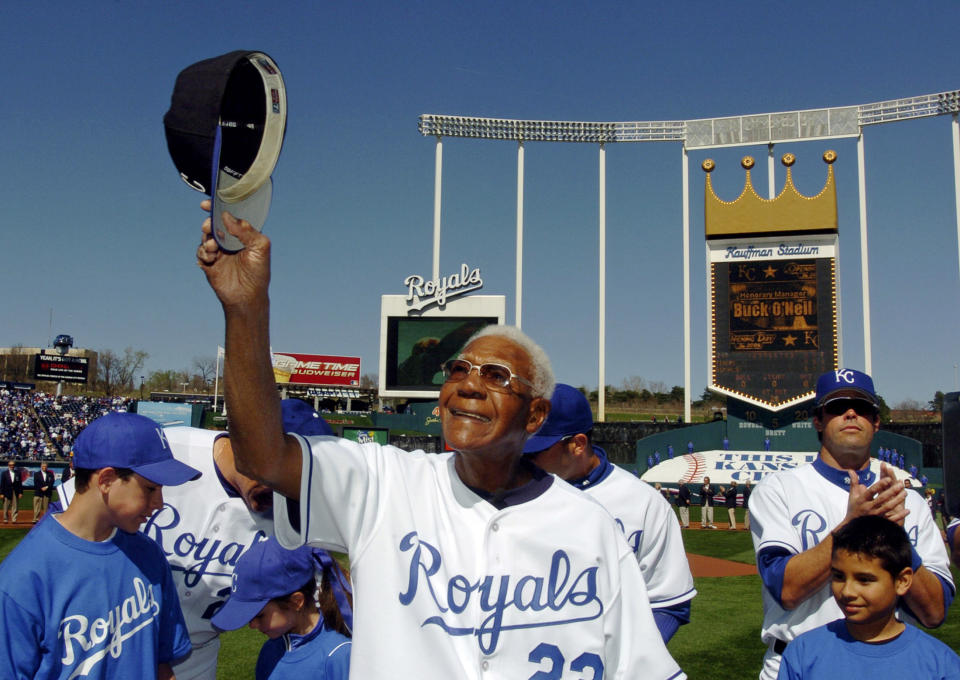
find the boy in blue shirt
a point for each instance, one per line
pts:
(872, 565)
(84, 594)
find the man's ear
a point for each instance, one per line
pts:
(539, 410)
(903, 581)
(817, 423)
(582, 442)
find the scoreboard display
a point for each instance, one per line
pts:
(56, 367)
(773, 319)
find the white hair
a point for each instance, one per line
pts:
(542, 378)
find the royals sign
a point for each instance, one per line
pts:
(422, 293)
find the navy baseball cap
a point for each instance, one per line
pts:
(569, 414)
(265, 571)
(300, 418)
(129, 440)
(845, 380)
(224, 130)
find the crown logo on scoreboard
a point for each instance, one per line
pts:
(790, 212)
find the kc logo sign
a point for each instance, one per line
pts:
(844, 374)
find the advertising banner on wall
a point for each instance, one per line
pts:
(316, 369)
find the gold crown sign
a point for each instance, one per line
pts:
(790, 212)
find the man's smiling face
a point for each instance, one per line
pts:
(477, 417)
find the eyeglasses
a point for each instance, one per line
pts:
(837, 407)
(496, 376)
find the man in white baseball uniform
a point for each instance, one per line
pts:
(563, 446)
(203, 528)
(795, 512)
(462, 562)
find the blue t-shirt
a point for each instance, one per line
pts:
(321, 654)
(830, 652)
(76, 608)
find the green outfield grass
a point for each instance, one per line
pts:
(722, 640)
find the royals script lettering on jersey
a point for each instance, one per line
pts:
(572, 596)
(195, 556)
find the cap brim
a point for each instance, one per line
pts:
(236, 613)
(170, 472)
(538, 443)
(253, 209)
(854, 392)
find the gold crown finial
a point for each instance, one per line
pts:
(789, 212)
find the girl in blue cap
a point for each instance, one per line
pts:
(308, 638)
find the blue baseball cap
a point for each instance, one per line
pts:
(569, 414)
(300, 418)
(265, 571)
(129, 440)
(845, 380)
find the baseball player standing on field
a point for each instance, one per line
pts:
(462, 562)
(563, 446)
(796, 511)
(203, 528)
(84, 594)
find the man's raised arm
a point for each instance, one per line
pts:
(240, 281)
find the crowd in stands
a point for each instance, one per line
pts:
(39, 426)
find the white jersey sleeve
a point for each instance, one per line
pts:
(652, 532)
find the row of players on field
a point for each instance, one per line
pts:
(470, 564)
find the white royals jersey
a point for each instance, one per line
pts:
(652, 532)
(202, 531)
(797, 509)
(448, 586)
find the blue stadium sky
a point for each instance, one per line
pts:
(98, 227)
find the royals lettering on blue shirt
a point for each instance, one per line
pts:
(72, 608)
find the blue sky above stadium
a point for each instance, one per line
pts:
(99, 228)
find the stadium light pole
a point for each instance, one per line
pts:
(602, 303)
(437, 186)
(518, 303)
(864, 259)
(955, 134)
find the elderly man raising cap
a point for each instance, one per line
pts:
(563, 447)
(461, 562)
(795, 511)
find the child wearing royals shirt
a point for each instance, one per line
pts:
(84, 594)
(872, 565)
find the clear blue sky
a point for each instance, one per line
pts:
(98, 226)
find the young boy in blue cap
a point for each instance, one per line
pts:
(84, 594)
(870, 570)
(307, 638)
